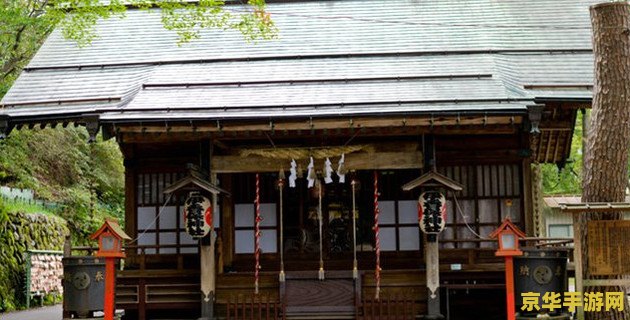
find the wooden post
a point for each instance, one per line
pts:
(509, 287)
(577, 260)
(109, 305)
(207, 276)
(528, 197)
(227, 222)
(508, 236)
(433, 278)
(206, 254)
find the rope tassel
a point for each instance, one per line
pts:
(355, 270)
(321, 273)
(281, 182)
(377, 241)
(257, 235)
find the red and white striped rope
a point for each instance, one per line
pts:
(377, 240)
(257, 234)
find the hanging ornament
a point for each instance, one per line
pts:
(355, 270)
(328, 171)
(281, 183)
(257, 234)
(432, 212)
(293, 176)
(197, 215)
(321, 273)
(311, 175)
(377, 240)
(341, 169)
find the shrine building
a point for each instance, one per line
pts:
(283, 143)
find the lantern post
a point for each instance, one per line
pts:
(432, 221)
(110, 238)
(201, 200)
(508, 235)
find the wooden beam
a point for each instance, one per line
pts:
(557, 147)
(390, 146)
(354, 161)
(137, 135)
(319, 124)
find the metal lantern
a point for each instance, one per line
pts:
(197, 215)
(432, 212)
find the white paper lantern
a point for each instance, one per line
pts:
(432, 212)
(197, 215)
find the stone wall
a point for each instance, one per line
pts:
(19, 233)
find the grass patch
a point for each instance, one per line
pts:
(13, 206)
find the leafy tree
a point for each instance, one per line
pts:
(23, 27)
(24, 24)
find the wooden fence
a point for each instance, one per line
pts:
(254, 307)
(398, 307)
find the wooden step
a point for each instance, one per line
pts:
(320, 316)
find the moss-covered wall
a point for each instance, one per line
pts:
(20, 232)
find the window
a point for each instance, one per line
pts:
(560, 231)
(491, 193)
(398, 225)
(166, 232)
(244, 213)
(244, 219)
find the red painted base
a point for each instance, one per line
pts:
(509, 287)
(109, 305)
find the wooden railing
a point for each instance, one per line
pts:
(254, 307)
(388, 308)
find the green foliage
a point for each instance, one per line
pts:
(20, 232)
(86, 180)
(24, 25)
(26, 207)
(188, 19)
(78, 17)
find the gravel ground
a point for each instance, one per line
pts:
(45, 313)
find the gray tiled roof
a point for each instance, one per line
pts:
(331, 58)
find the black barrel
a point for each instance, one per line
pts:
(540, 270)
(83, 285)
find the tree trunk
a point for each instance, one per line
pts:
(606, 156)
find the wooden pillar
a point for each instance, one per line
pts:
(131, 223)
(142, 299)
(528, 198)
(227, 221)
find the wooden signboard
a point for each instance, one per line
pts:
(608, 243)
